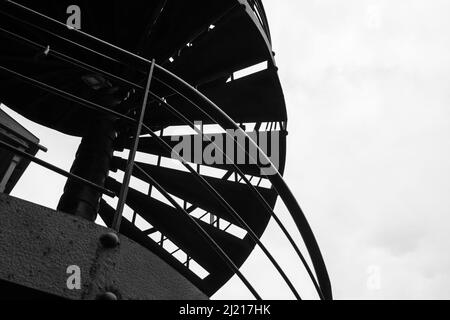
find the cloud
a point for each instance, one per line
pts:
(367, 92)
(366, 85)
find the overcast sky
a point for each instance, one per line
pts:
(367, 86)
(367, 91)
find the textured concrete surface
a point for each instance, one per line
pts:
(37, 245)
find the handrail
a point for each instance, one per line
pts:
(61, 56)
(187, 122)
(230, 210)
(277, 181)
(58, 36)
(42, 163)
(260, 13)
(204, 234)
(195, 173)
(109, 193)
(125, 54)
(261, 199)
(278, 184)
(65, 94)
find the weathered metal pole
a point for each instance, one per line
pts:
(92, 163)
(93, 158)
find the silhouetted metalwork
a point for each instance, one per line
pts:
(99, 83)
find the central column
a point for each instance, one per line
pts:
(94, 155)
(92, 162)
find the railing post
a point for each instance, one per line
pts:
(129, 170)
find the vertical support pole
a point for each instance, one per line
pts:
(92, 163)
(129, 170)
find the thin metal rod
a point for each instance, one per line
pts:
(106, 110)
(282, 187)
(231, 211)
(261, 14)
(61, 56)
(211, 242)
(278, 184)
(129, 171)
(66, 95)
(100, 108)
(25, 22)
(253, 189)
(79, 32)
(42, 163)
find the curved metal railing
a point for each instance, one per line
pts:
(183, 89)
(260, 13)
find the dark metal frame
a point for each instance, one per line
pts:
(184, 90)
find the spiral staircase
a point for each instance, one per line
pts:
(137, 74)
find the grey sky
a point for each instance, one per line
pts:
(367, 90)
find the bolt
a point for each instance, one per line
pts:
(110, 240)
(107, 296)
